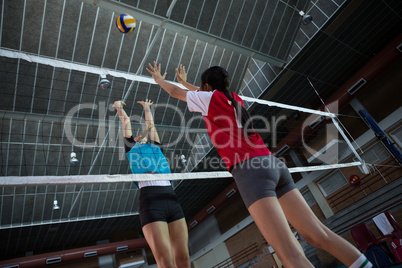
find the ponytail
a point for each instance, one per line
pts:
(218, 78)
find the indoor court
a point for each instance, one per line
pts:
(321, 80)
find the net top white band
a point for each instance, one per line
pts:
(83, 179)
(286, 106)
(78, 67)
(133, 77)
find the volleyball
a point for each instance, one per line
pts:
(125, 23)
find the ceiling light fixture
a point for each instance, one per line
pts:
(306, 19)
(104, 83)
(183, 159)
(73, 159)
(55, 205)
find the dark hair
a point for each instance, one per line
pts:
(218, 78)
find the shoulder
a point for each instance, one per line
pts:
(155, 146)
(129, 143)
(130, 139)
(154, 143)
(198, 101)
(199, 95)
(237, 98)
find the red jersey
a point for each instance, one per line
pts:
(224, 128)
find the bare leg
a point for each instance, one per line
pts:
(179, 241)
(270, 219)
(157, 236)
(317, 234)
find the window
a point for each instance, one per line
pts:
(374, 155)
(397, 136)
(308, 196)
(332, 183)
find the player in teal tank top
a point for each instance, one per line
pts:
(162, 218)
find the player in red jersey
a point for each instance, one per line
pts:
(264, 181)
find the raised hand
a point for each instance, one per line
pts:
(118, 104)
(155, 71)
(182, 75)
(146, 103)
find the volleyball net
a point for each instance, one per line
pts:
(87, 179)
(305, 139)
(305, 136)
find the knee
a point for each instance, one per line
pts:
(165, 262)
(182, 261)
(318, 238)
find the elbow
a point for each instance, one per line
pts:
(173, 93)
(177, 93)
(125, 120)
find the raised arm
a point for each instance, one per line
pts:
(149, 120)
(173, 90)
(125, 120)
(182, 79)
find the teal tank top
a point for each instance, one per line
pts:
(147, 158)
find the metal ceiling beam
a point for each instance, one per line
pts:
(183, 29)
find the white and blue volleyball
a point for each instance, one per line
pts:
(125, 23)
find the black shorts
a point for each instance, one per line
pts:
(159, 203)
(262, 176)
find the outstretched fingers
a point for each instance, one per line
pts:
(181, 74)
(147, 101)
(155, 71)
(182, 69)
(151, 69)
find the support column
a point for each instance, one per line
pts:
(321, 201)
(314, 190)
